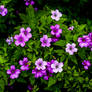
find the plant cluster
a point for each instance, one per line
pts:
(46, 51)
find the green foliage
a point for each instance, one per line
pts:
(51, 81)
(4, 2)
(73, 78)
(3, 80)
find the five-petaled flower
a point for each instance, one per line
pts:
(55, 30)
(45, 41)
(86, 64)
(24, 63)
(40, 64)
(13, 72)
(57, 67)
(26, 32)
(84, 41)
(20, 40)
(56, 15)
(70, 48)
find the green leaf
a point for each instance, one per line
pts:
(68, 37)
(80, 79)
(65, 64)
(60, 43)
(62, 58)
(82, 53)
(32, 80)
(51, 82)
(2, 60)
(1, 85)
(90, 82)
(5, 1)
(73, 59)
(81, 27)
(29, 18)
(33, 58)
(59, 52)
(75, 37)
(75, 73)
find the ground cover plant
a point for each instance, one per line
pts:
(42, 49)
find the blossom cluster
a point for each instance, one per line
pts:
(3, 11)
(23, 37)
(85, 41)
(55, 31)
(14, 73)
(45, 69)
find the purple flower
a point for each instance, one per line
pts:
(90, 36)
(9, 40)
(45, 41)
(26, 32)
(71, 28)
(32, 2)
(57, 67)
(84, 41)
(55, 30)
(29, 2)
(47, 76)
(70, 48)
(14, 73)
(86, 64)
(20, 40)
(49, 70)
(24, 64)
(38, 73)
(56, 15)
(54, 39)
(3, 11)
(40, 64)
(49, 66)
